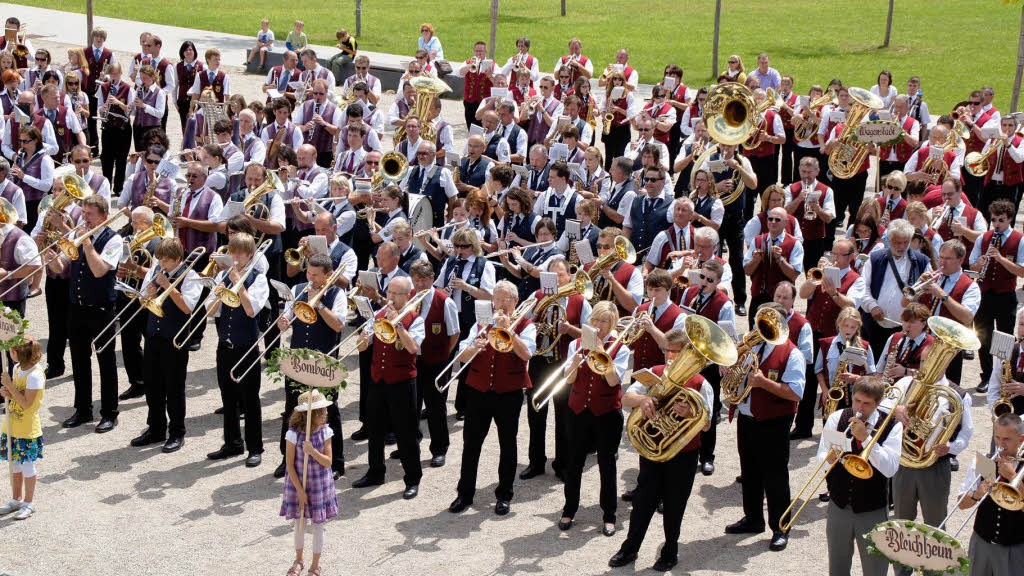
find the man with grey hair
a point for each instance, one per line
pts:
(887, 272)
(772, 257)
(536, 179)
(679, 237)
(431, 180)
(13, 193)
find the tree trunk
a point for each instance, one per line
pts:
(888, 25)
(563, 7)
(714, 50)
(88, 22)
(1020, 64)
(359, 18)
(494, 26)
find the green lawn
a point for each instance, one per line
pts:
(954, 45)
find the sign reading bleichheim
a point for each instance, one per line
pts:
(917, 546)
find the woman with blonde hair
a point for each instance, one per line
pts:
(734, 70)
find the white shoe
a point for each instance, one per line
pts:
(12, 506)
(25, 512)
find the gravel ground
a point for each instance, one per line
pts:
(104, 507)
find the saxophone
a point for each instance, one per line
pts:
(1003, 405)
(836, 392)
(151, 189)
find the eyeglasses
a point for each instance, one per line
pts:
(319, 93)
(733, 62)
(423, 153)
(152, 161)
(891, 187)
(774, 219)
(644, 129)
(41, 60)
(190, 175)
(462, 246)
(362, 67)
(83, 161)
(25, 140)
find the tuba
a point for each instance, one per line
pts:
(769, 327)
(623, 251)
(730, 114)
(846, 159)
(427, 88)
(737, 181)
(549, 312)
(660, 438)
(771, 100)
(937, 410)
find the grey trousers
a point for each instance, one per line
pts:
(995, 560)
(842, 529)
(928, 487)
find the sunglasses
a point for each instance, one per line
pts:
(896, 188)
(83, 161)
(973, 103)
(371, 163)
(604, 246)
(644, 129)
(152, 161)
(362, 67)
(733, 62)
(462, 246)
(775, 219)
(654, 179)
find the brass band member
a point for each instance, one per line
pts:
(131, 332)
(858, 505)
(772, 258)
(663, 315)
(650, 212)
(496, 382)
(909, 346)
(1006, 165)
(625, 280)
(1014, 389)
(595, 404)
(826, 367)
(953, 211)
(821, 211)
(668, 482)
(679, 237)
(393, 393)
(620, 193)
(802, 336)
(57, 288)
(165, 365)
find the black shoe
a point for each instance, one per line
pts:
(661, 506)
(194, 346)
(707, 468)
(665, 564)
(739, 479)
(53, 372)
(390, 439)
(564, 525)
(608, 531)
(460, 416)
(281, 470)
(459, 505)
(824, 497)
(741, 310)
(225, 452)
(132, 392)
(983, 387)
(799, 435)
(173, 444)
(411, 492)
(360, 435)
(106, 425)
(531, 471)
(621, 559)
(437, 461)
(254, 460)
(77, 420)
(395, 455)
(367, 481)
(338, 472)
(779, 541)
(219, 411)
(560, 474)
(628, 495)
(146, 438)
(954, 464)
(423, 414)
(744, 527)
(501, 508)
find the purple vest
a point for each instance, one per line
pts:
(33, 167)
(343, 140)
(8, 261)
(538, 129)
(247, 151)
(10, 189)
(403, 108)
(321, 139)
(234, 180)
(141, 117)
(96, 181)
(439, 125)
(192, 238)
(140, 182)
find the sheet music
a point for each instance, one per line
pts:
(317, 244)
(584, 253)
(484, 312)
(832, 273)
(273, 93)
(168, 169)
(522, 171)
(985, 467)
(617, 92)
(936, 152)
(363, 307)
(559, 151)
(548, 283)
(716, 166)
(476, 129)
(837, 439)
(231, 209)
(224, 260)
(579, 170)
(589, 338)
(1002, 345)
(991, 132)
(572, 229)
(669, 82)
(498, 92)
(369, 279)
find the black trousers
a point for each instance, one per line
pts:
(183, 105)
(848, 195)
(166, 367)
(732, 234)
(291, 400)
(787, 175)
(804, 423)
(876, 335)
(584, 428)
(886, 167)
(436, 403)
(998, 191)
(539, 369)
(615, 142)
(767, 170)
(86, 323)
(669, 482)
(814, 250)
(131, 342)
(504, 410)
(758, 299)
(973, 186)
(955, 370)
(469, 110)
(764, 465)
(365, 382)
(397, 401)
(246, 393)
(995, 312)
(117, 142)
(91, 133)
(709, 439)
(31, 213)
(56, 292)
(138, 136)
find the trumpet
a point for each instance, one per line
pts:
(1010, 495)
(916, 290)
(936, 222)
(256, 344)
(387, 330)
(816, 275)
(524, 247)
(474, 65)
(226, 296)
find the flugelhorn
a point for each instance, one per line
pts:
(387, 330)
(916, 290)
(977, 163)
(297, 256)
(623, 251)
(70, 247)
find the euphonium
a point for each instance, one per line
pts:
(549, 311)
(730, 113)
(977, 163)
(427, 88)
(769, 327)
(306, 311)
(936, 410)
(660, 438)
(622, 251)
(386, 330)
(846, 159)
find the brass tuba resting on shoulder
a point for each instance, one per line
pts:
(660, 438)
(936, 410)
(427, 88)
(769, 327)
(846, 158)
(549, 312)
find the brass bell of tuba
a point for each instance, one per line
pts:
(730, 113)
(846, 159)
(769, 327)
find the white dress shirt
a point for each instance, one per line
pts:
(487, 279)
(885, 456)
(796, 255)
(979, 250)
(528, 336)
(259, 292)
(189, 288)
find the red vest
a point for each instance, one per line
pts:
(654, 114)
(646, 352)
(519, 96)
(796, 323)
(763, 404)
(822, 311)
(791, 223)
(712, 307)
(922, 156)
(1012, 171)
(867, 158)
(971, 214)
(811, 229)
(786, 115)
(620, 118)
(95, 67)
(590, 391)
(622, 274)
(998, 280)
(764, 279)
(765, 148)
(434, 348)
(499, 371)
(218, 83)
(974, 144)
(903, 150)
(671, 245)
(957, 294)
(573, 71)
(573, 311)
(824, 345)
(897, 211)
(392, 364)
(477, 87)
(694, 383)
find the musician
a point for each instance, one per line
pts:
(17, 248)
(64, 122)
(559, 201)
(281, 131)
(113, 96)
(477, 83)
(637, 149)
(522, 60)
(97, 57)
(738, 167)
(887, 272)
(34, 76)
(578, 65)
(352, 159)
(918, 107)
(149, 103)
(313, 71)
(474, 166)
(764, 158)
(693, 113)
(136, 191)
(372, 116)
(668, 482)
(14, 194)
(577, 313)
(408, 147)
(679, 237)
(649, 214)
(362, 74)
(895, 157)
(918, 215)
(211, 77)
(254, 151)
(690, 149)
(32, 171)
(402, 235)
(539, 167)
(497, 148)
(320, 121)
(772, 257)
(622, 283)
(919, 165)
(573, 109)
(185, 72)
(706, 299)
(539, 113)
(595, 183)
(618, 136)
(528, 261)
(847, 330)
(1006, 166)
(575, 154)
(662, 115)
(1013, 389)
(790, 102)
(662, 316)
(1000, 253)
(856, 505)
(977, 117)
(617, 198)
(813, 216)
(490, 397)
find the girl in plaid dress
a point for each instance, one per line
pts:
(319, 500)
(25, 392)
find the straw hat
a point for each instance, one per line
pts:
(317, 398)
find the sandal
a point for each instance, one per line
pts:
(314, 571)
(295, 570)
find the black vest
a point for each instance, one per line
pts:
(478, 175)
(569, 201)
(467, 314)
(167, 327)
(997, 525)
(646, 226)
(860, 495)
(703, 207)
(1018, 375)
(432, 189)
(538, 183)
(338, 252)
(528, 284)
(405, 260)
(86, 289)
(235, 326)
(338, 210)
(614, 200)
(737, 206)
(318, 335)
(523, 229)
(492, 146)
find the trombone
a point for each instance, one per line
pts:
(256, 344)
(153, 304)
(977, 477)
(387, 330)
(226, 296)
(499, 253)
